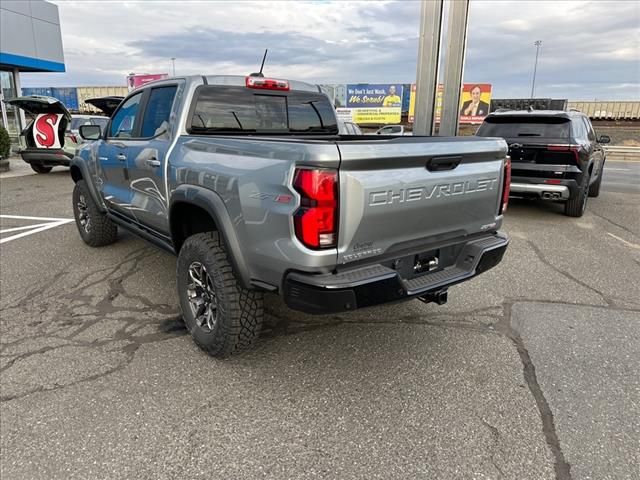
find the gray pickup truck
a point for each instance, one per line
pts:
(248, 181)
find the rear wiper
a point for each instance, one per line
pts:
(528, 134)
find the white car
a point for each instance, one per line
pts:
(393, 130)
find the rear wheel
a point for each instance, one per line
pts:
(576, 205)
(594, 188)
(222, 316)
(94, 226)
(40, 168)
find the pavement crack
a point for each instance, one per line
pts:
(622, 227)
(561, 465)
(496, 439)
(566, 274)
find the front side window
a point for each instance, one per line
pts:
(124, 119)
(158, 111)
(101, 122)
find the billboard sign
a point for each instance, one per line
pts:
(475, 100)
(374, 103)
(137, 80)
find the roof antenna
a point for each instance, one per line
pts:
(259, 74)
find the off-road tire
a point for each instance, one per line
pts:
(576, 206)
(239, 311)
(594, 188)
(101, 230)
(40, 168)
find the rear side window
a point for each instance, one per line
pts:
(124, 119)
(591, 134)
(223, 109)
(579, 129)
(158, 110)
(513, 126)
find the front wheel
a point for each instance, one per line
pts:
(576, 205)
(222, 316)
(95, 228)
(40, 168)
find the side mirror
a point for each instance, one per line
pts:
(604, 139)
(90, 132)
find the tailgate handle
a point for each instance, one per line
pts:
(437, 164)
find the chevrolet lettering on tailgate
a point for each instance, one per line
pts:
(388, 197)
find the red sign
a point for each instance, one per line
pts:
(45, 130)
(137, 80)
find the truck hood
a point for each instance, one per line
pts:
(106, 104)
(37, 104)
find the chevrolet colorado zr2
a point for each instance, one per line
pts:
(248, 181)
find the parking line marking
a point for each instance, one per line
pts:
(22, 217)
(26, 227)
(31, 229)
(628, 244)
(606, 169)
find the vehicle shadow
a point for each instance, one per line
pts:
(523, 206)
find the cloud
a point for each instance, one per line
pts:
(590, 44)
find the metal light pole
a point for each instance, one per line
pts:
(173, 64)
(454, 66)
(428, 61)
(538, 44)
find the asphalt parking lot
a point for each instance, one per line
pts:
(529, 372)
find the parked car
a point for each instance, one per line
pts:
(555, 155)
(349, 128)
(58, 128)
(248, 181)
(79, 120)
(393, 130)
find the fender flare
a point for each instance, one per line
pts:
(80, 164)
(213, 204)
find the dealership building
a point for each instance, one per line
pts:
(30, 41)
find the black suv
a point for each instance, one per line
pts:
(554, 155)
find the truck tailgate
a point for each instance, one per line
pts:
(411, 191)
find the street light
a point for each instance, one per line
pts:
(538, 44)
(173, 64)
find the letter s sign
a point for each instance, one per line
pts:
(45, 130)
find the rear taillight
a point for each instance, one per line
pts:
(266, 83)
(575, 149)
(506, 185)
(316, 221)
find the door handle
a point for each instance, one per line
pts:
(152, 162)
(121, 157)
(437, 164)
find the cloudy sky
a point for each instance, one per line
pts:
(591, 49)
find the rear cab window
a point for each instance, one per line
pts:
(511, 126)
(221, 109)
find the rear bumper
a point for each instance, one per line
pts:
(377, 284)
(48, 159)
(535, 187)
(550, 192)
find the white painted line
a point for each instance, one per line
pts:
(35, 230)
(26, 227)
(606, 169)
(22, 217)
(628, 244)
